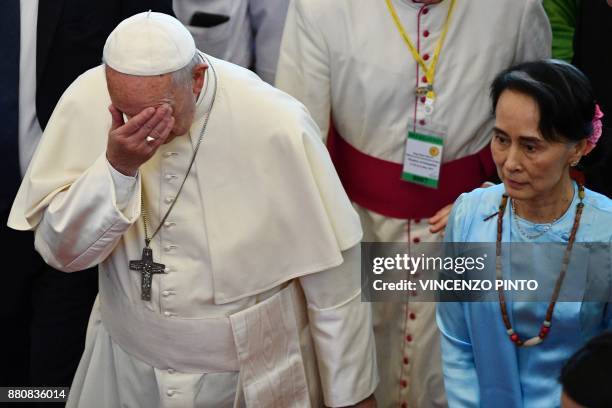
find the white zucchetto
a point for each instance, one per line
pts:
(148, 44)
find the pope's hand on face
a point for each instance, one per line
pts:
(128, 147)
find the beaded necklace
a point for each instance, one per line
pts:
(546, 324)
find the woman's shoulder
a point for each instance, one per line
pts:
(470, 207)
(598, 202)
(481, 201)
(598, 214)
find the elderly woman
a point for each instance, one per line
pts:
(510, 354)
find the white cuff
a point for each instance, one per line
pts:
(346, 354)
(124, 187)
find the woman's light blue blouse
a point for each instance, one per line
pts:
(482, 367)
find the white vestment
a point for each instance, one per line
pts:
(347, 62)
(250, 38)
(261, 228)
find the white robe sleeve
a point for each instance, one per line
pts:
(303, 67)
(124, 188)
(534, 35)
(341, 327)
(82, 224)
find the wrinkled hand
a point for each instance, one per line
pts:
(440, 219)
(127, 147)
(369, 402)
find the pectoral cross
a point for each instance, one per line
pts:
(147, 269)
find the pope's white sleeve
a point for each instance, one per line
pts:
(303, 64)
(534, 34)
(124, 188)
(341, 327)
(82, 224)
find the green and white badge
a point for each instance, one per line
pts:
(423, 156)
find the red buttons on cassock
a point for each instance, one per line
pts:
(405, 360)
(412, 316)
(422, 122)
(404, 383)
(425, 33)
(425, 10)
(425, 57)
(416, 240)
(408, 338)
(417, 221)
(424, 79)
(423, 99)
(404, 405)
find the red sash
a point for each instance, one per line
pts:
(375, 184)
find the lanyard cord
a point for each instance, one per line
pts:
(431, 70)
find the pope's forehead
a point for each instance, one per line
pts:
(130, 93)
(125, 82)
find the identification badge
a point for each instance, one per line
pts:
(423, 156)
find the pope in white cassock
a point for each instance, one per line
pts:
(228, 251)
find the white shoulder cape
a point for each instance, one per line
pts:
(273, 204)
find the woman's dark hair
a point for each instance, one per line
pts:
(563, 94)
(587, 376)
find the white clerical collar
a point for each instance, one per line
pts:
(205, 99)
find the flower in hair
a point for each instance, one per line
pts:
(597, 127)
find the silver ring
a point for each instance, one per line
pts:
(150, 139)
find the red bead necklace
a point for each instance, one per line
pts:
(546, 324)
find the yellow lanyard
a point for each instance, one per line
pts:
(431, 70)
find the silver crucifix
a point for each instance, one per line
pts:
(147, 269)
